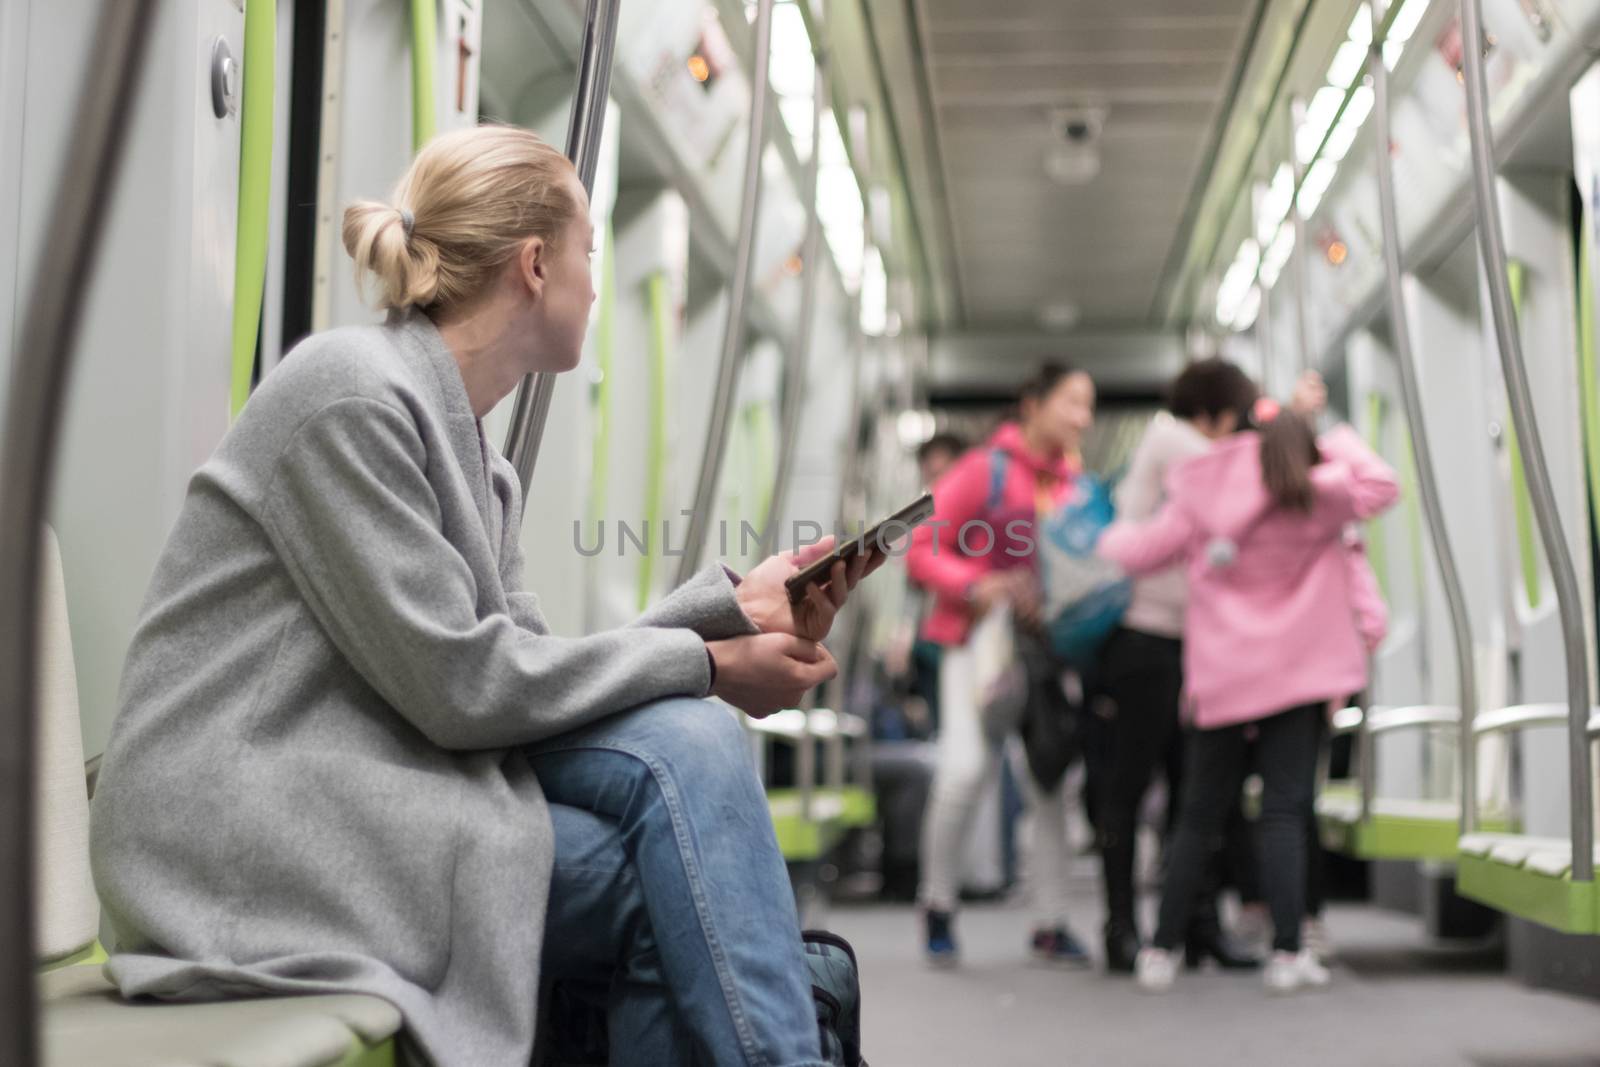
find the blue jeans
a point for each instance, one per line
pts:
(668, 876)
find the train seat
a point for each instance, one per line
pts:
(1530, 877)
(86, 1023)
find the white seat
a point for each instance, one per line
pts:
(1481, 844)
(1422, 810)
(1513, 850)
(1555, 861)
(88, 1024)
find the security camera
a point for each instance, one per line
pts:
(1078, 126)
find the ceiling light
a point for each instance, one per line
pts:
(1059, 316)
(1347, 63)
(1072, 164)
(1316, 183)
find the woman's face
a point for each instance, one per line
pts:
(561, 312)
(1063, 415)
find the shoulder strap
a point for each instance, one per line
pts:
(998, 464)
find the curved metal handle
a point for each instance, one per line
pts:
(1526, 717)
(1491, 239)
(794, 384)
(1455, 595)
(40, 366)
(1391, 720)
(1346, 721)
(531, 410)
(733, 330)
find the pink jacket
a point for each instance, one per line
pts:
(944, 561)
(1372, 614)
(1271, 618)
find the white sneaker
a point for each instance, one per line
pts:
(1314, 936)
(1155, 969)
(1287, 972)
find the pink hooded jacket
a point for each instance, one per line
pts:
(1271, 617)
(942, 560)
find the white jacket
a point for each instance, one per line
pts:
(1158, 601)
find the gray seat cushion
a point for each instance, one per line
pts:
(88, 1024)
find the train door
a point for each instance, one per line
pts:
(149, 393)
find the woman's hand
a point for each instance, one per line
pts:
(1310, 395)
(765, 673)
(765, 599)
(1017, 588)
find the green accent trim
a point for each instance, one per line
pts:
(656, 477)
(860, 808)
(1413, 513)
(255, 193)
(601, 393)
(424, 58)
(834, 811)
(93, 955)
(1522, 503)
(764, 459)
(1391, 837)
(1588, 377)
(1377, 546)
(1559, 903)
(361, 1054)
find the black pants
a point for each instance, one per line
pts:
(1287, 760)
(1136, 711)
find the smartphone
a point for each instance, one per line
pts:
(919, 511)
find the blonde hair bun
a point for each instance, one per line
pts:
(473, 197)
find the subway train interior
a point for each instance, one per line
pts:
(844, 251)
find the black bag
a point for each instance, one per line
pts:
(1052, 736)
(836, 990)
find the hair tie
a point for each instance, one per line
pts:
(1266, 410)
(408, 222)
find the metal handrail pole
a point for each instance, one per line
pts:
(531, 409)
(733, 330)
(1297, 257)
(795, 379)
(41, 364)
(1411, 395)
(1491, 240)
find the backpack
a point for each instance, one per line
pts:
(1084, 596)
(836, 992)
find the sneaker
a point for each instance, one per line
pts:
(1059, 946)
(1288, 972)
(1155, 970)
(1314, 936)
(941, 938)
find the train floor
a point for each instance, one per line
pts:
(1396, 999)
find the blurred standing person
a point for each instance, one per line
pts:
(1259, 520)
(976, 556)
(1140, 687)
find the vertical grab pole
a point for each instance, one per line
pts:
(733, 331)
(1411, 393)
(40, 366)
(794, 384)
(1297, 258)
(531, 409)
(1491, 240)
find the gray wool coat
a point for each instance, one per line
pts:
(315, 781)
